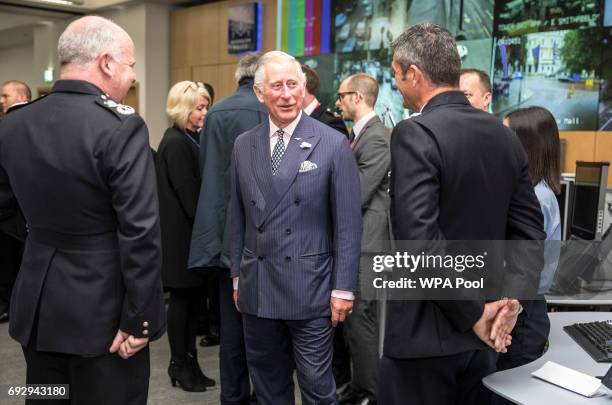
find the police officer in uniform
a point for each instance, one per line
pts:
(88, 297)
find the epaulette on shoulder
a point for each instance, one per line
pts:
(121, 111)
(333, 114)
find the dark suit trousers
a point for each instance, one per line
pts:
(445, 380)
(102, 380)
(276, 347)
(361, 333)
(11, 251)
(235, 385)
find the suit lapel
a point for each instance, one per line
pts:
(364, 130)
(290, 165)
(261, 163)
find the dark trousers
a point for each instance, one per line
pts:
(235, 384)
(11, 251)
(276, 347)
(361, 334)
(445, 380)
(102, 380)
(182, 322)
(529, 336)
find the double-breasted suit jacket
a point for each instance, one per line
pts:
(295, 235)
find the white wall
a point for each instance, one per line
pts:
(17, 63)
(149, 27)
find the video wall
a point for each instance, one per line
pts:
(552, 53)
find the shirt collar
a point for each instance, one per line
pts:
(312, 106)
(359, 125)
(288, 130)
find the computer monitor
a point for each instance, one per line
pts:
(589, 199)
(564, 198)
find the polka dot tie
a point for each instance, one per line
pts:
(277, 153)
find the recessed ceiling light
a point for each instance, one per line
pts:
(63, 2)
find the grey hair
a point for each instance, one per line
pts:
(275, 56)
(426, 45)
(86, 38)
(247, 66)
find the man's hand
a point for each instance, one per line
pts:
(339, 309)
(483, 328)
(236, 300)
(127, 345)
(505, 319)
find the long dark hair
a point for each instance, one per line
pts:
(538, 132)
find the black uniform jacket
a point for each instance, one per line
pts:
(458, 174)
(80, 167)
(328, 118)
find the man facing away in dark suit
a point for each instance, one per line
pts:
(294, 219)
(226, 120)
(314, 108)
(457, 174)
(13, 94)
(356, 98)
(88, 297)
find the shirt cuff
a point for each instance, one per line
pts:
(345, 295)
(235, 281)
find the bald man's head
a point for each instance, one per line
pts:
(99, 51)
(14, 92)
(476, 85)
(88, 37)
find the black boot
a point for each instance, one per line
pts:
(181, 372)
(192, 362)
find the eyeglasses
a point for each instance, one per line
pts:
(340, 96)
(194, 86)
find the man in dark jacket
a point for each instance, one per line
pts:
(224, 122)
(456, 174)
(88, 297)
(314, 108)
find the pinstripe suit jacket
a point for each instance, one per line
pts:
(295, 236)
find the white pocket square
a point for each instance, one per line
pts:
(307, 166)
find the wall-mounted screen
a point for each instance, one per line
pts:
(558, 70)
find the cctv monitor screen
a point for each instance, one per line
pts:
(586, 201)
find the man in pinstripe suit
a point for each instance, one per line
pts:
(295, 226)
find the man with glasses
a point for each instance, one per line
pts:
(356, 99)
(88, 297)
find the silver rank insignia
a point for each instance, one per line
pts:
(124, 109)
(110, 103)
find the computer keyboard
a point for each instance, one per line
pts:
(594, 337)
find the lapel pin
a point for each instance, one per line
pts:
(305, 145)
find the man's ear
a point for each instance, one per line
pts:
(416, 75)
(105, 64)
(487, 98)
(258, 93)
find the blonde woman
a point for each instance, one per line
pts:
(178, 180)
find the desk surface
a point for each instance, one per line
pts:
(519, 386)
(581, 299)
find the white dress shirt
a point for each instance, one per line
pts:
(287, 133)
(312, 106)
(358, 126)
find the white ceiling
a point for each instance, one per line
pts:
(18, 18)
